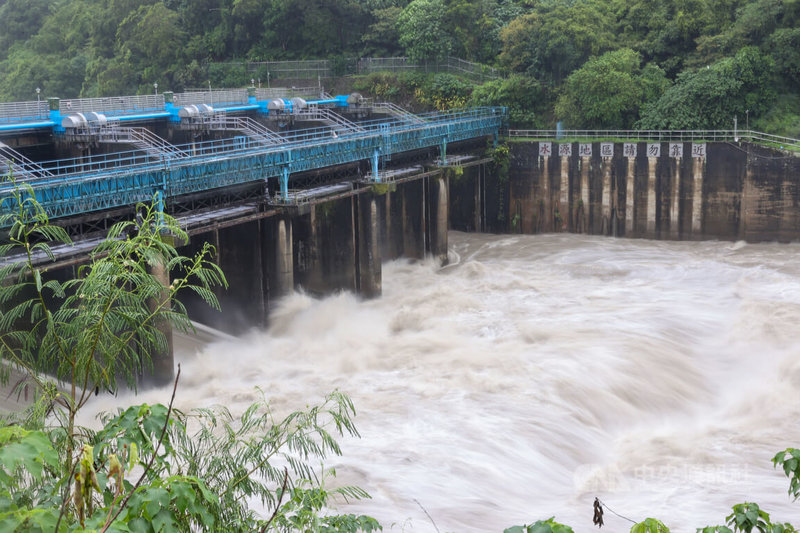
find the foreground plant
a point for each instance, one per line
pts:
(150, 468)
(147, 471)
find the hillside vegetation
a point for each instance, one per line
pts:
(588, 63)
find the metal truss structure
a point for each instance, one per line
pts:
(75, 187)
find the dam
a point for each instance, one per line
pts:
(506, 378)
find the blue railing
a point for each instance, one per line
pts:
(84, 185)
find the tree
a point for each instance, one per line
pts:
(423, 31)
(103, 325)
(151, 40)
(526, 99)
(607, 92)
(710, 97)
(784, 46)
(19, 20)
(556, 38)
(381, 37)
(666, 32)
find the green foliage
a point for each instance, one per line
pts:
(443, 92)
(304, 511)
(192, 471)
(382, 37)
(650, 525)
(526, 99)
(423, 32)
(789, 460)
(607, 92)
(98, 48)
(188, 479)
(381, 85)
(783, 118)
(556, 37)
(709, 98)
(380, 189)
(784, 46)
(748, 516)
(541, 526)
(104, 324)
(501, 161)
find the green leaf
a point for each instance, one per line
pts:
(650, 525)
(30, 450)
(182, 495)
(164, 521)
(158, 499)
(140, 525)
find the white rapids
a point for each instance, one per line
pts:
(536, 372)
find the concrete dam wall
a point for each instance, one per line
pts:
(687, 191)
(662, 190)
(321, 248)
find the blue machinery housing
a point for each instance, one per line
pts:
(88, 184)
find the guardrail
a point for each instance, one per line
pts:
(658, 135)
(211, 97)
(302, 69)
(453, 65)
(114, 105)
(265, 71)
(22, 111)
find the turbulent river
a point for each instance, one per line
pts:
(536, 372)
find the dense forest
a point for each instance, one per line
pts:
(674, 64)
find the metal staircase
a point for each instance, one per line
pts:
(248, 126)
(19, 166)
(143, 139)
(338, 123)
(395, 110)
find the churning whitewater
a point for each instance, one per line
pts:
(536, 372)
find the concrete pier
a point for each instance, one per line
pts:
(284, 258)
(697, 197)
(163, 359)
(630, 197)
(439, 218)
(667, 190)
(368, 250)
(650, 194)
(563, 217)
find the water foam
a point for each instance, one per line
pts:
(538, 372)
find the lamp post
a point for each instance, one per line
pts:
(38, 100)
(155, 88)
(747, 119)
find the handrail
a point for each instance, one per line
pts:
(246, 125)
(114, 105)
(326, 115)
(211, 97)
(108, 181)
(142, 138)
(21, 166)
(396, 110)
(130, 161)
(22, 111)
(267, 93)
(657, 135)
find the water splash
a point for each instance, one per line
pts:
(537, 372)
